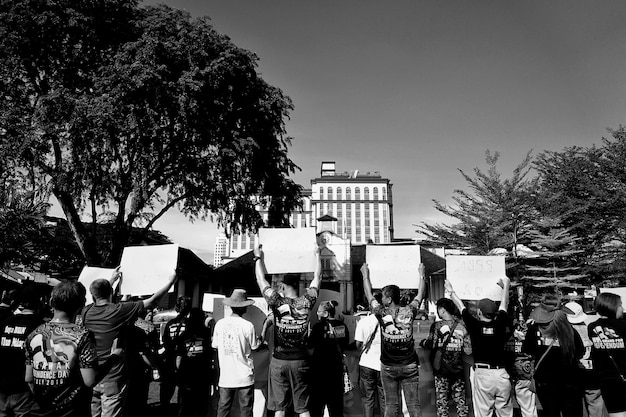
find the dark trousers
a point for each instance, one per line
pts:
(246, 400)
(193, 402)
(327, 391)
(560, 398)
(400, 379)
(371, 386)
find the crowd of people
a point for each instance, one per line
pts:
(98, 360)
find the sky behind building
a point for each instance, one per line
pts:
(419, 89)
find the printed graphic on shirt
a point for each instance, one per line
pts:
(14, 336)
(194, 347)
(335, 332)
(54, 355)
(547, 341)
(606, 338)
(291, 319)
(456, 342)
(488, 331)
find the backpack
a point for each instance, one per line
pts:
(447, 363)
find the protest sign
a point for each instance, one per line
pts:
(475, 277)
(147, 269)
(91, 273)
(289, 250)
(393, 264)
(621, 291)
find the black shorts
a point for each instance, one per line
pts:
(289, 381)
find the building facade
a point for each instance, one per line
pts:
(361, 202)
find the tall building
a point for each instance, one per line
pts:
(241, 243)
(361, 202)
(357, 206)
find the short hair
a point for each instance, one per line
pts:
(101, 289)
(30, 297)
(607, 303)
(292, 280)
(68, 297)
(393, 292)
(447, 304)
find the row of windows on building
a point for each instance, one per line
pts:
(357, 193)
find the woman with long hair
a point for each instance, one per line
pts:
(450, 336)
(556, 348)
(609, 353)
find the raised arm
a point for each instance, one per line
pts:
(317, 274)
(259, 268)
(421, 285)
(151, 302)
(454, 297)
(367, 284)
(505, 283)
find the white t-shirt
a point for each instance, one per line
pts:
(234, 338)
(364, 329)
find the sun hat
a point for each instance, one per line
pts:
(239, 298)
(545, 311)
(579, 315)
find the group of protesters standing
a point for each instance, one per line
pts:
(78, 362)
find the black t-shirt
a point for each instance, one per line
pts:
(195, 351)
(608, 337)
(57, 352)
(554, 367)
(328, 339)
(174, 329)
(13, 334)
(488, 338)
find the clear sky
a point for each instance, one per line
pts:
(418, 89)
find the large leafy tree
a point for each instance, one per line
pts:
(587, 187)
(129, 111)
(492, 213)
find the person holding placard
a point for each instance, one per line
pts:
(289, 374)
(489, 332)
(109, 321)
(400, 364)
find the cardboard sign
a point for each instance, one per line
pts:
(91, 273)
(147, 269)
(289, 250)
(476, 277)
(394, 264)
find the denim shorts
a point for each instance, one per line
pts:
(289, 380)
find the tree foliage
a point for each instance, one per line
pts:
(493, 213)
(130, 111)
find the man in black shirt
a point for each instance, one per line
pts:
(15, 395)
(489, 332)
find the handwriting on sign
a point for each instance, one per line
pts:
(473, 265)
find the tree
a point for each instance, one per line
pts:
(127, 110)
(494, 213)
(555, 262)
(587, 187)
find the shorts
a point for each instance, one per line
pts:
(289, 381)
(613, 395)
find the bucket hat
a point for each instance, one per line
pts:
(239, 298)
